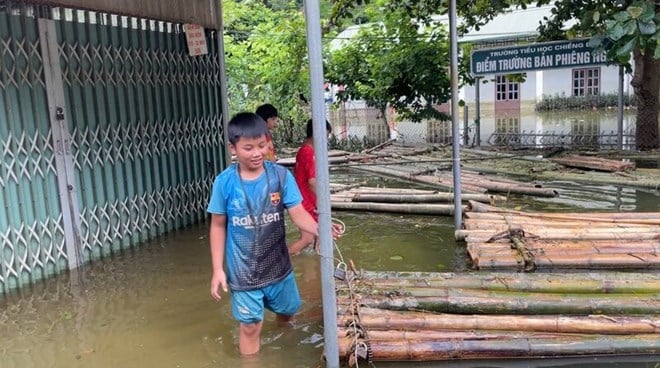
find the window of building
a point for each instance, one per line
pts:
(506, 90)
(439, 132)
(586, 82)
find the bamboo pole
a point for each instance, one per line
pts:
(372, 190)
(517, 282)
(531, 222)
(509, 187)
(420, 335)
(493, 276)
(449, 184)
(636, 182)
(497, 302)
(487, 249)
(483, 211)
(426, 209)
(373, 318)
(422, 198)
(430, 180)
(411, 350)
(571, 244)
(573, 261)
(631, 233)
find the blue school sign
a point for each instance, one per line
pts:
(537, 56)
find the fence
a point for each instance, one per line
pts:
(110, 134)
(573, 129)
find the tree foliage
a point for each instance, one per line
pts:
(621, 27)
(397, 63)
(266, 57)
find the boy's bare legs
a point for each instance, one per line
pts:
(283, 320)
(300, 244)
(249, 338)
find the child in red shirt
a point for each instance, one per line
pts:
(305, 175)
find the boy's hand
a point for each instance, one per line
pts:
(218, 280)
(337, 230)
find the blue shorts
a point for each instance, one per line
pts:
(281, 297)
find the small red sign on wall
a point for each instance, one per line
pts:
(196, 39)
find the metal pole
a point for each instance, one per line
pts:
(466, 128)
(456, 139)
(313, 23)
(619, 112)
(477, 112)
(224, 106)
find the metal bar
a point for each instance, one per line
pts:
(144, 225)
(223, 81)
(61, 142)
(477, 111)
(466, 128)
(165, 114)
(619, 111)
(456, 142)
(182, 100)
(312, 20)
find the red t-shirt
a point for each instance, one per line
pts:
(303, 171)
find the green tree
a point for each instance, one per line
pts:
(399, 63)
(266, 57)
(622, 27)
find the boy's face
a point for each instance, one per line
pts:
(249, 152)
(271, 122)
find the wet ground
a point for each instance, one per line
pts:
(150, 307)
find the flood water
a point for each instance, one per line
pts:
(151, 307)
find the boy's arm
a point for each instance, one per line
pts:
(312, 184)
(303, 219)
(217, 238)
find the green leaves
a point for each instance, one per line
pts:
(401, 62)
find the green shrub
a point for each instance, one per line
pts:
(563, 102)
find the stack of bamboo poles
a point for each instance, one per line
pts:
(498, 238)
(594, 163)
(445, 316)
(471, 182)
(488, 184)
(399, 200)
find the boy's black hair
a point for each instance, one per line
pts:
(310, 128)
(266, 111)
(246, 125)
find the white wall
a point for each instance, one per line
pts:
(548, 82)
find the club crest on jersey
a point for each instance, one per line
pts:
(275, 198)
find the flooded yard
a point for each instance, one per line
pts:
(150, 307)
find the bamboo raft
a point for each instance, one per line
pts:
(441, 178)
(401, 200)
(450, 316)
(498, 238)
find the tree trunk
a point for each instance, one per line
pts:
(646, 82)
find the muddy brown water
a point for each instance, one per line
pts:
(150, 306)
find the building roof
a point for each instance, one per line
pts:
(512, 25)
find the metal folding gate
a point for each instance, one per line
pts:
(110, 136)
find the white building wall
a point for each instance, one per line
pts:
(549, 83)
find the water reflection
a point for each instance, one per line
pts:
(509, 128)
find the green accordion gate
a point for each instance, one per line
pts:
(110, 134)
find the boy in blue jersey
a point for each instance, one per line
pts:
(247, 234)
